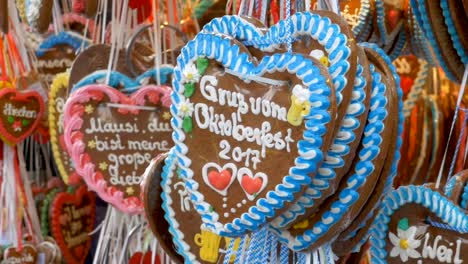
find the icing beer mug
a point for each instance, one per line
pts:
(209, 243)
(300, 105)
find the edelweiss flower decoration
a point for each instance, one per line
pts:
(405, 244)
(191, 75)
(186, 108)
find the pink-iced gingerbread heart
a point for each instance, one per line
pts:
(112, 138)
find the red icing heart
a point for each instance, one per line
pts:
(72, 218)
(251, 185)
(20, 114)
(220, 180)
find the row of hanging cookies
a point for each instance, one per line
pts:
(336, 121)
(284, 140)
(426, 215)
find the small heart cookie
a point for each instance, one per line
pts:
(21, 113)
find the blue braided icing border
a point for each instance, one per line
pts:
(167, 175)
(302, 24)
(116, 78)
(230, 57)
(396, 158)
(380, 11)
(437, 203)
(61, 38)
(334, 157)
(365, 15)
(371, 142)
(453, 32)
(424, 19)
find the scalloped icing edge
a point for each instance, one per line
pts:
(340, 206)
(432, 200)
(421, 17)
(60, 82)
(333, 159)
(453, 32)
(55, 226)
(396, 158)
(302, 24)
(304, 163)
(167, 175)
(365, 15)
(73, 121)
(117, 78)
(61, 38)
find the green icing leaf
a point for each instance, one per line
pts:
(189, 89)
(211, 209)
(187, 124)
(25, 122)
(10, 119)
(403, 224)
(202, 65)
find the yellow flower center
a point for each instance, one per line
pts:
(189, 76)
(404, 244)
(184, 108)
(324, 61)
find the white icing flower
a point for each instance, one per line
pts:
(185, 108)
(318, 54)
(405, 244)
(302, 94)
(191, 74)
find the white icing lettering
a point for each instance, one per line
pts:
(10, 110)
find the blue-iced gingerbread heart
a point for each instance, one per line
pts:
(417, 224)
(247, 135)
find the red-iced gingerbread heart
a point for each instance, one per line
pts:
(20, 113)
(72, 219)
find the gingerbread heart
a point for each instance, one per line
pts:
(356, 186)
(338, 158)
(112, 137)
(152, 196)
(389, 172)
(213, 105)
(342, 68)
(57, 98)
(55, 55)
(72, 219)
(27, 255)
(21, 113)
(419, 225)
